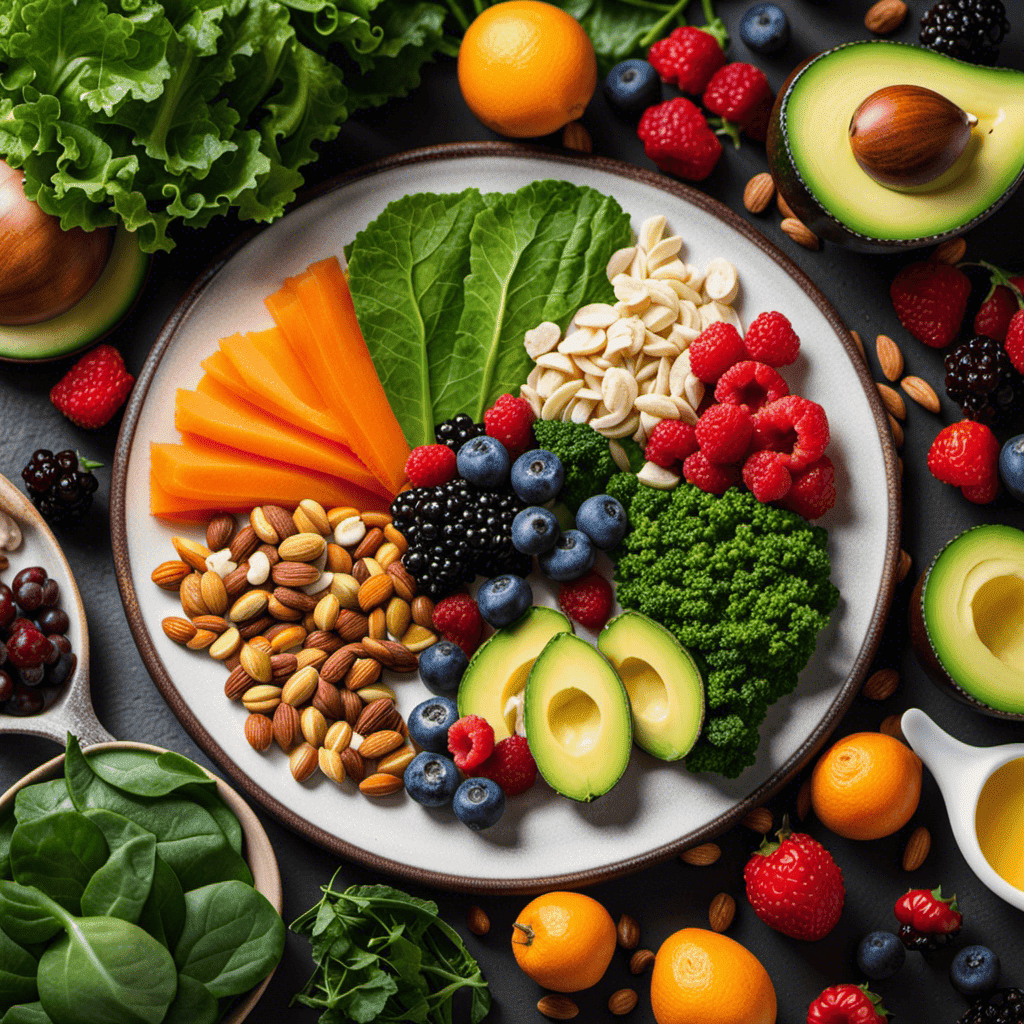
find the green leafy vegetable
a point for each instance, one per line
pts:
(121, 887)
(26, 1013)
(26, 915)
(17, 973)
(147, 773)
(42, 798)
(163, 914)
(386, 957)
(192, 1004)
(210, 800)
(6, 832)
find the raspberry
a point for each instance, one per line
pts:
(814, 490)
(772, 340)
(510, 421)
(457, 618)
(471, 741)
(670, 442)
(750, 385)
(430, 465)
(714, 350)
(587, 600)
(965, 454)
(687, 57)
(511, 766)
(794, 426)
(740, 93)
(723, 433)
(710, 476)
(678, 139)
(766, 476)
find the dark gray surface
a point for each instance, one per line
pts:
(672, 895)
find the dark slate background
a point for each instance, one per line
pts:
(672, 895)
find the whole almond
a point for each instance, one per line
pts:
(890, 357)
(281, 612)
(339, 736)
(324, 642)
(418, 638)
(701, 856)
(363, 672)
(627, 932)
(337, 665)
(369, 544)
(201, 640)
(191, 596)
(759, 820)
(397, 761)
(885, 16)
(219, 531)
(214, 593)
(270, 552)
(759, 192)
(260, 643)
(302, 547)
(395, 536)
(397, 616)
(351, 626)
(881, 685)
(921, 392)
(800, 233)
(380, 784)
(380, 744)
(893, 401)
(262, 527)
(256, 663)
(226, 645)
(263, 698)
(314, 726)
(313, 513)
(237, 683)
(180, 630)
(326, 612)
(721, 912)
(903, 567)
(192, 552)
(303, 762)
(259, 732)
(391, 654)
(557, 1007)
(361, 571)
(405, 585)
(377, 624)
(353, 709)
(294, 574)
(477, 921)
(858, 342)
(345, 588)
(783, 207)
(375, 519)
(892, 725)
(640, 961)
(287, 727)
(287, 638)
(952, 250)
(300, 687)
(423, 611)
(214, 623)
(248, 606)
(622, 1002)
(283, 665)
(386, 554)
(243, 544)
(917, 849)
(281, 520)
(355, 766)
(376, 691)
(897, 430)
(331, 764)
(338, 559)
(575, 136)
(168, 575)
(327, 700)
(374, 716)
(310, 655)
(236, 582)
(295, 599)
(803, 800)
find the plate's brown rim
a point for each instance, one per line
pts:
(439, 880)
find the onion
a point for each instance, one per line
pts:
(44, 270)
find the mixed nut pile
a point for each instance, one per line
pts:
(306, 610)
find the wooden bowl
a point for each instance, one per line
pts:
(258, 852)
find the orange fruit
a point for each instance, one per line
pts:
(701, 977)
(866, 786)
(526, 68)
(564, 940)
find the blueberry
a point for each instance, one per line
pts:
(442, 665)
(503, 599)
(537, 476)
(603, 520)
(631, 87)
(431, 779)
(764, 28)
(880, 955)
(974, 971)
(534, 530)
(1011, 466)
(483, 461)
(570, 558)
(430, 721)
(478, 803)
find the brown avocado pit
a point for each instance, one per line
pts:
(909, 137)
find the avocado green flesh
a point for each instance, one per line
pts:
(973, 610)
(666, 692)
(96, 313)
(824, 97)
(499, 669)
(577, 718)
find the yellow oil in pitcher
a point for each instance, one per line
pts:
(999, 821)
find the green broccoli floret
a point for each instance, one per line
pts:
(744, 586)
(585, 457)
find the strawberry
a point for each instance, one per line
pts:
(930, 300)
(511, 766)
(677, 138)
(457, 618)
(795, 886)
(966, 454)
(587, 600)
(927, 921)
(1014, 341)
(94, 388)
(510, 421)
(430, 465)
(847, 1004)
(688, 57)
(740, 93)
(1004, 298)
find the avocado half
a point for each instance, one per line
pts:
(816, 173)
(96, 314)
(967, 620)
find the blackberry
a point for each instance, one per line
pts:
(454, 433)
(61, 486)
(925, 942)
(1005, 1006)
(981, 379)
(969, 30)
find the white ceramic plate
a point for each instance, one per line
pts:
(543, 840)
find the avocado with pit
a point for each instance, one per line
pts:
(816, 171)
(967, 613)
(577, 717)
(666, 692)
(497, 672)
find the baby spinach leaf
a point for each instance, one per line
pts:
(27, 915)
(207, 797)
(193, 1004)
(42, 798)
(6, 831)
(106, 970)
(120, 888)
(58, 854)
(17, 973)
(26, 1013)
(147, 773)
(232, 938)
(163, 914)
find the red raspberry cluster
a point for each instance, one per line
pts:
(755, 431)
